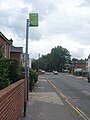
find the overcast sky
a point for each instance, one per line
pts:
(61, 22)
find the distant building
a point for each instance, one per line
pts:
(81, 64)
(88, 68)
(24, 60)
(16, 53)
(88, 64)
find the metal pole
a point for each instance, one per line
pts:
(38, 62)
(26, 70)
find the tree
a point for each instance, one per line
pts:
(60, 57)
(56, 60)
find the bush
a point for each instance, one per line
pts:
(33, 79)
(84, 74)
(4, 75)
(10, 72)
(15, 70)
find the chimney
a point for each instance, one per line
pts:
(11, 41)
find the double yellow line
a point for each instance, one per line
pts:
(80, 112)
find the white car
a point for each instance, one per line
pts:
(43, 71)
(55, 72)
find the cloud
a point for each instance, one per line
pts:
(61, 22)
(35, 34)
(86, 3)
(43, 7)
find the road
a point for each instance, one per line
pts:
(74, 91)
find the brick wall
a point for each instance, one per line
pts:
(15, 55)
(12, 101)
(6, 46)
(83, 66)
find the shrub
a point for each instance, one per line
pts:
(4, 75)
(10, 72)
(15, 70)
(33, 79)
(84, 74)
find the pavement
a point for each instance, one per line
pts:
(45, 104)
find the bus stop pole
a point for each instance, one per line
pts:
(26, 69)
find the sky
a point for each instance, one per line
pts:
(63, 23)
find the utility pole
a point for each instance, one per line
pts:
(38, 62)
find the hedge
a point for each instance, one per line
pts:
(10, 72)
(33, 79)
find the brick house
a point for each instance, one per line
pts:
(16, 53)
(81, 64)
(6, 45)
(9, 50)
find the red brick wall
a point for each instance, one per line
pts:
(1, 41)
(15, 55)
(6, 46)
(12, 101)
(83, 66)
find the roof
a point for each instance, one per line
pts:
(81, 61)
(88, 56)
(1, 35)
(16, 49)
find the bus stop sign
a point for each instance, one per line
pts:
(33, 17)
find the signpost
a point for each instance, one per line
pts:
(31, 22)
(33, 17)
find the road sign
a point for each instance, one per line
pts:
(33, 17)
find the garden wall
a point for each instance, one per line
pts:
(12, 101)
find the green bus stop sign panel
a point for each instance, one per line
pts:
(33, 17)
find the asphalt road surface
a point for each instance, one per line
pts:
(74, 91)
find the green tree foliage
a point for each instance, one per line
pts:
(14, 70)
(10, 72)
(4, 75)
(33, 78)
(60, 57)
(35, 64)
(56, 60)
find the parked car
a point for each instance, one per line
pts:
(55, 72)
(43, 71)
(65, 71)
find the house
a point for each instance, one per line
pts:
(16, 53)
(9, 50)
(6, 45)
(88, 68)
(88, 64)
(81, 64)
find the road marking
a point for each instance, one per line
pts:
(80, 112)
